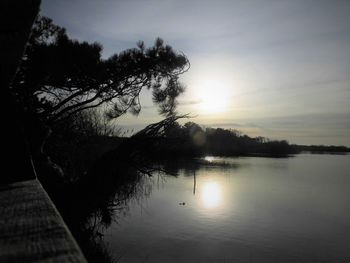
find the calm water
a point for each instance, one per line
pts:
(241, 210)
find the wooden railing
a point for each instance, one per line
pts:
(31, 229)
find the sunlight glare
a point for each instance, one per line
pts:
(211, 195)
(214, 96)
(209, 158)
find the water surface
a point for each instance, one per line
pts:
(241, 210)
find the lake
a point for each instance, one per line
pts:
(247, 209)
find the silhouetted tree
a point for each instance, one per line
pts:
(60, 77)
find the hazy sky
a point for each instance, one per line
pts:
(275, 68)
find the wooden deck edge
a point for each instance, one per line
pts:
(31, 228)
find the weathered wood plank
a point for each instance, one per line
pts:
(31, 229)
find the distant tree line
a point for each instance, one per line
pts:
(191, 140)
(322, 148)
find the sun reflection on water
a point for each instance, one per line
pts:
(211, 195)
(209, 158)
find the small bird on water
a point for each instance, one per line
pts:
(183, 203)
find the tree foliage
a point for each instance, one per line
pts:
(59, 76)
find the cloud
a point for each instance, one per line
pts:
(189, 102)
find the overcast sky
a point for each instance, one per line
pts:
(274, 68)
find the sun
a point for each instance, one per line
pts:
(211, 195)
(214, 96)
